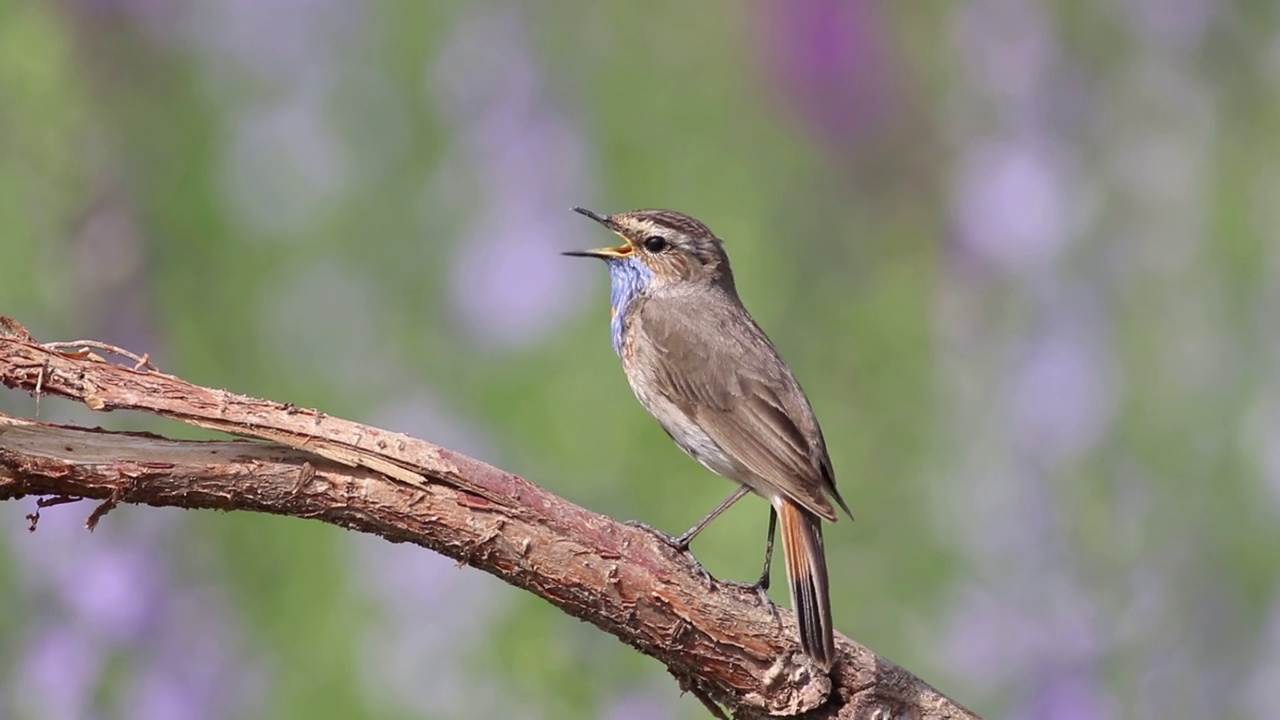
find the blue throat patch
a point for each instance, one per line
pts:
(628, 277)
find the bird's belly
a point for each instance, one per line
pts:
(689, 436)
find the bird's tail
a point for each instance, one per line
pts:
(807, 576)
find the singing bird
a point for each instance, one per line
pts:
(699, 363)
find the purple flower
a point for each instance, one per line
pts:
(1012, 200)
(829, 60)
(509, 286)
(97, 596)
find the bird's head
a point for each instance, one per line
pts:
(672, 246)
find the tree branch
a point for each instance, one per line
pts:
(716, 639)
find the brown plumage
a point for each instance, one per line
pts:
(704, 369)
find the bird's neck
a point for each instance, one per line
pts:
(627, 279)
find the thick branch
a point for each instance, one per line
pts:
(715, 639)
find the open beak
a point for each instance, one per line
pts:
(620, 251)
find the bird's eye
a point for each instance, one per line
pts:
(655, 243)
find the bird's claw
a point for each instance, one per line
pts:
(678, 543)
(761, 590)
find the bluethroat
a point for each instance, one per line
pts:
(697, 361)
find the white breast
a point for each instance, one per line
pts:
(688, 435)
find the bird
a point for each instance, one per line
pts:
(700, 365)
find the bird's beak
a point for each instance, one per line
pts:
(620, 251)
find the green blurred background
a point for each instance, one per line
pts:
(1021, 255)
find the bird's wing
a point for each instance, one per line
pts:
(718, 367)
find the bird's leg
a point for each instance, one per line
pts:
(682, 542)
(761, 586)
(763, 582)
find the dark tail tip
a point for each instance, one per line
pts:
(807, 576)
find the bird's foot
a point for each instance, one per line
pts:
(761, 589)
(680, 544)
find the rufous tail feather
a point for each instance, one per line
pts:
(807, 576)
